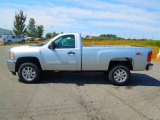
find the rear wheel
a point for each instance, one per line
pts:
(9, 42)
(23, 41)
(119, 74)
(28, 72)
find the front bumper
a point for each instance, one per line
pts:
(11, 66)
(149, 66)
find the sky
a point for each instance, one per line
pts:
(125, 18)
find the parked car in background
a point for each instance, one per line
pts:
(28, 38)
(33, 38)
(1, 40)
(8, 39)
(42, 38)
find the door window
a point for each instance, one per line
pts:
(13, 37)
(66, 41)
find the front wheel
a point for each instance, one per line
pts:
(28, 72)
(119, 74)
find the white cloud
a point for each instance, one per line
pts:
(154, 4)
(86, 14)
(7, 18)
(135, 26)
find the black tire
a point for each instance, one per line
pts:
(9, 42)
(119, 75)
(23, 41)
(23, 75)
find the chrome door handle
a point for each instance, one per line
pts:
(71, 53)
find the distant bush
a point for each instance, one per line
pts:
(51, 35)
(153, 43)
(48, 35)
(104, 37)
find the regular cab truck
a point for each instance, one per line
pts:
(65, 52)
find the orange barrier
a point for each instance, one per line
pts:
(158, 56)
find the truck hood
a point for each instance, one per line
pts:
(25, 49)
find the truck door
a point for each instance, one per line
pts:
(64, 56)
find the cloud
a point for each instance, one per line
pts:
(153, 4)
(82, 14)
(7, 18)
(134, 26)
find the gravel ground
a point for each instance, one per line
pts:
(79, 96)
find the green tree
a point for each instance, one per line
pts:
(48, 36)
(87, 37)
(107, 36)
(31, 28)
(39, 31)
(19, 24)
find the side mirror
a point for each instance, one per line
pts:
(53, 45)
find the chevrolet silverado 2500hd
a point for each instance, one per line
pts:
(65, 52)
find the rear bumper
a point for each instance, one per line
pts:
(11, 66)
(149, 66)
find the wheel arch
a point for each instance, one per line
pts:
(123, 61)
(9, 40)
(22, 60)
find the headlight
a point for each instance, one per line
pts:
(11, 55)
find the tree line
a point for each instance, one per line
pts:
(109, 37)
(104, 37)
(30, 30)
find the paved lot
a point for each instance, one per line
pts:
(79, 96)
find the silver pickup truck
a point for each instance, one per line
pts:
(65, 52)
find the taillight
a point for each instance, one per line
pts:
(149, 58)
